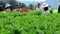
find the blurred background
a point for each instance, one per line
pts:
(52, 3)
(28, 3)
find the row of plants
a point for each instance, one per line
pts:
(29, 23)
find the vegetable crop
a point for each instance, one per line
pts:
(29, 23)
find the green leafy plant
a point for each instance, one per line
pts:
(29, 23)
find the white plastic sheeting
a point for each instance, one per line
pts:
(33, 0)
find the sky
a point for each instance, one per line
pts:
(52, 3)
